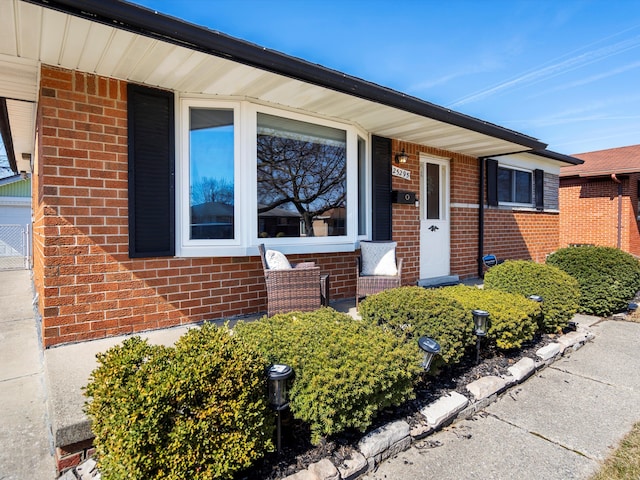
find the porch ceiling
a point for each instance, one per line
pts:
(31, 34)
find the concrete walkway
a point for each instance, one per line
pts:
(25, 437)
(559, 424)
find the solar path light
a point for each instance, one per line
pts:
(480, 322)
(431, 348)
(278, 376)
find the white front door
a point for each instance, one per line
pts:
(435, 228)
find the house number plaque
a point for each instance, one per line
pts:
(399, 172)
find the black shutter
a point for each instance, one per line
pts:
(151, 172)
(539, 188)
(492, 182)
(381, 188)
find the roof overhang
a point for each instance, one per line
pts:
(125, 41)
(600, 173)
(557, 156)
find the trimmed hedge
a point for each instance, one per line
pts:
(411, 312)
(197, 410)
(513, 319)
(345, 371)
(608, 277)
(558, 289)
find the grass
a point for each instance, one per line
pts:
(624, 463)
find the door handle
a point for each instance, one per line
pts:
(433, 228)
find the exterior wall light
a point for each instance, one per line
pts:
(431, 348)
(480, 322)
(278, 376)
(402, 157)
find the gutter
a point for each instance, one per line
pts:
(617, 180)
(139, 20)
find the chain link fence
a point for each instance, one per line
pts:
(14, 247)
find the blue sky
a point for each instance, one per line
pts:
(564, 71)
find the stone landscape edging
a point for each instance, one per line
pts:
(395, 437)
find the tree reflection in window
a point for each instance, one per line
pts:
(302, 178)
(211, 161)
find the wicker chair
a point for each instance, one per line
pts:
(371, 284)
(292, 289)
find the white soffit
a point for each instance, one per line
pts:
(30, 34)
(22, 123)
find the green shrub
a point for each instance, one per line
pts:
(345, 371)
(608, 277)
(197, 410)
(513, 319)
(558, 289)
(411, 312)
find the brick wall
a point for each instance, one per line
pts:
(633, 237)
(590, 212)
(88, 286)
(521, 235)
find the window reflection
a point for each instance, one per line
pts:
(301, 178)
(211, 157)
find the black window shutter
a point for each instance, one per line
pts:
(151, 172)
(492, 182)
(539, 188)
(381, 188)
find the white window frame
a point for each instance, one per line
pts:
(245, 185)
(367, 185)
(531, 193)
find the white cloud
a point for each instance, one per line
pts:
(591, 79)
(542, 73)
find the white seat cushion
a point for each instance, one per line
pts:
(379, 258)
(276, 260)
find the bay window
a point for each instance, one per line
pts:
(249, 172)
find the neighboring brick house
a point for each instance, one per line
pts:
(121, 110)
(599, 199)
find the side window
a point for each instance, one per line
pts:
(211, 174)
(514, 186)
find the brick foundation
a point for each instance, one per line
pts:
(73, 455)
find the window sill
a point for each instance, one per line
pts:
(252, 250)
(524, 208)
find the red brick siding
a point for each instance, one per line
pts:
(590, 212)
(633, 237)
(464, 241)
(88, 286)
(520, 235)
